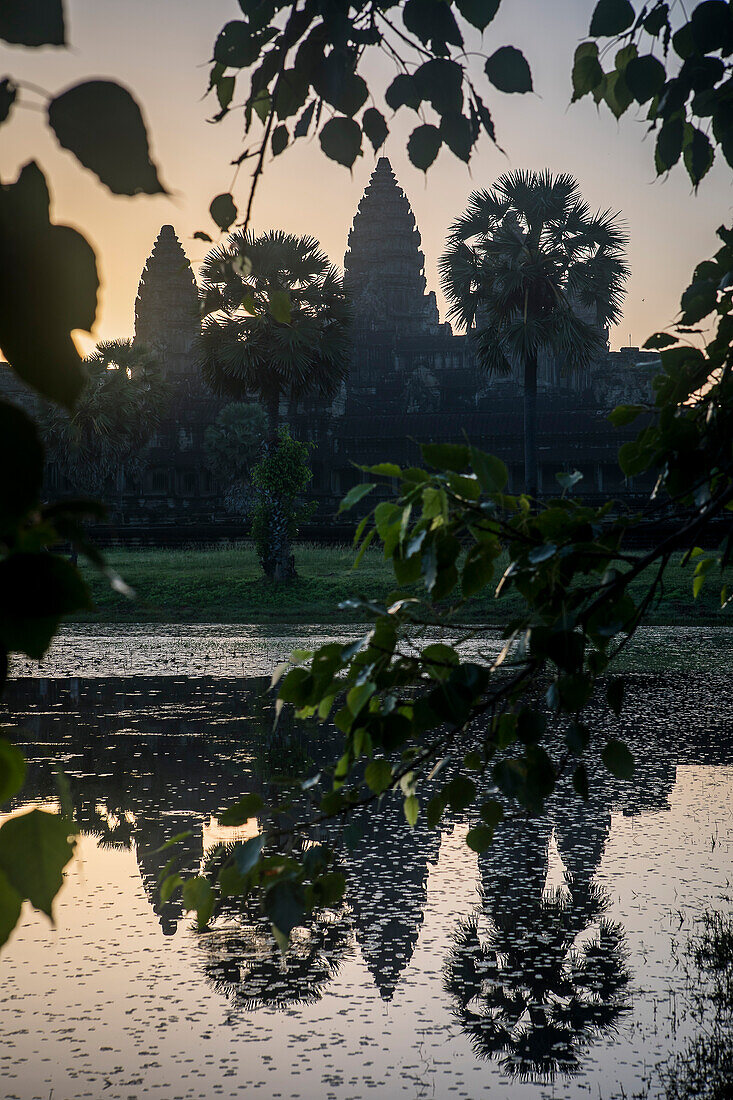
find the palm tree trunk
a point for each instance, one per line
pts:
(530, 425)
(273, 417)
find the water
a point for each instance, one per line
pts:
(554, 965)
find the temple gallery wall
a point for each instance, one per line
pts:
(411, 380)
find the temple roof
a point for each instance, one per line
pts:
(166, 306)
(384, 266)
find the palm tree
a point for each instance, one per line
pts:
(521, 263)
(276, 326)
(119, 408)
(277, 320)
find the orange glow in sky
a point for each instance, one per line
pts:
(160, 50)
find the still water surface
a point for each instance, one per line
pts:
(551, 966)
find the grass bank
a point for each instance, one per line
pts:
(226, 585)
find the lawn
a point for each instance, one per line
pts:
(225, 584)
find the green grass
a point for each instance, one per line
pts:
(226, 585)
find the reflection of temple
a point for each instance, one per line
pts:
(387, 873)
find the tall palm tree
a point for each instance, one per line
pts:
(276, 326)
(118, 410)
(521, 264)
(276, 323)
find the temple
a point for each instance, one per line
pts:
(411, 380)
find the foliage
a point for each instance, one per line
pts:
(306, 65)
(231, 445)
(407, 706)
(114, 417)
(276, 321)
(535, 272)
(688, 89)
(278, 479)
(55, 266)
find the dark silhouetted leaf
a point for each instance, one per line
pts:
(402, 91)
(40, 23)
(375, 128)
(507, 69)
(101, 124)
(611, 17)
(36, 591)
(423, 145)
(8, 93)
(303, 124)
(617, 758)
(21, 452)
(279, 139)
(52, 264)
(340, 140)
(448, 456)
(710, 25)
(433, 22)
(223, 211)
(478, 12)
(669, 145)
(285, 906)
(198, 896)
(697, 154)
(10, 906)
(645, 77)
(247, 807)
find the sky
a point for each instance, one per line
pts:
(160, 49)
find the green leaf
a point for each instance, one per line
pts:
(247, 807)
(423, 145)
(568, 479)
(669, 145)
(611, 17)
(359, 696)
(697, 154)
(34, 849)
(375, 128)
(10, 907)
(440, 659)
(285, 905)
(460, 792)
(507, 69)
(52, 264)
(491, 472)
(199, 897)
(101, 124)
(378, 775)
(40, 23)
(340, 140)
(492, 812)
(434, 810)
(624, 414)
(645, 77)
(280, 138)
(447, 456)
(168, 887)
(587, 70)
(225, 91)
(479, 838)
(478, 570)
(281, 306)
(12, 770)
(412, 809)
(223, 211)
(478, 12)
(356, 494)
(247, 854)
(617, 758)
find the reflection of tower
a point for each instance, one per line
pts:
(167, 305)
(387, 873)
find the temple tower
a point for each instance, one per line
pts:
(384, 266)
(167, 305)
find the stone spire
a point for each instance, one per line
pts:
(384, 266)
(167, 304)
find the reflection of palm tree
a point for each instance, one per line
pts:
(244, 963)
(532, 992)
(535, 975)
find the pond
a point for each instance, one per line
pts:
(554, 965)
